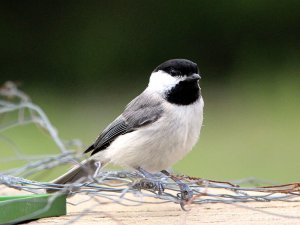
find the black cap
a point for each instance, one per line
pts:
(178, 67)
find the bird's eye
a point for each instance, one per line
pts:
(174, 72)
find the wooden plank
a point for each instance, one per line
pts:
(102, 211)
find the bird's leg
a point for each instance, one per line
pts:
(185, 191)
(152, 180)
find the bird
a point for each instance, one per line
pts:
(155, 130)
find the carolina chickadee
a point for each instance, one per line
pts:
(156, 129)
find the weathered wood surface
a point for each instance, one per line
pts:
(92, 212)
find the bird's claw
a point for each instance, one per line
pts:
(148, 184)
(159, 187)
(185, 195)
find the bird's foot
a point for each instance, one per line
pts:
(150, 181)
(151, 185)
(185, 195)
(159, 187)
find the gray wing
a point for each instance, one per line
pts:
(141, 111)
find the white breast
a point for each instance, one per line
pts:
(159, 145)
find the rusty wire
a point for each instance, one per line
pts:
(121, 187)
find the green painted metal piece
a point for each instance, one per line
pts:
(14, 209)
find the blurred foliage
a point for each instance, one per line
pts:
(82, 61)
(85, 44)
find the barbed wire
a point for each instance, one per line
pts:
(122, 187)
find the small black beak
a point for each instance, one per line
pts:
(193, 77)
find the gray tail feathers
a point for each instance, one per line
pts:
(79, 173)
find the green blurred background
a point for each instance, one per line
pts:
(82, 61)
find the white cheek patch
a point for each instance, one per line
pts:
(161, 81)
